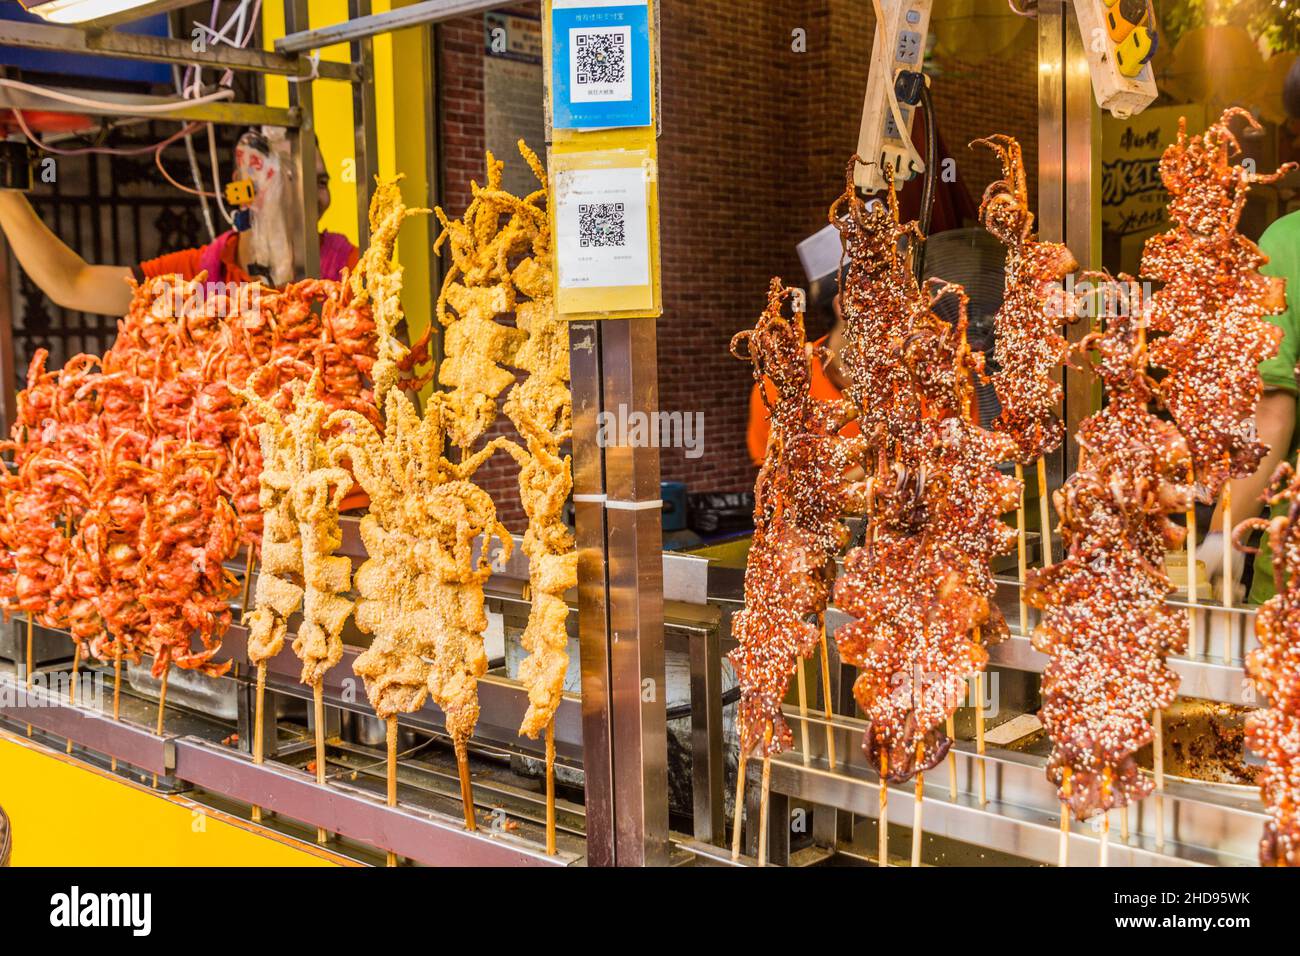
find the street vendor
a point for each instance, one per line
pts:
(262, 249)
(828, 380)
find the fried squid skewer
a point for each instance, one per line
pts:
(800, 498)
(1212, 304)
(1028, 346)
(919, 588)
(1105, 624)
(1274, 669)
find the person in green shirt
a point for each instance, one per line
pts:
(1275, 419)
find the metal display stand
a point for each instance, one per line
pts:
(620, 592)
(615, 731)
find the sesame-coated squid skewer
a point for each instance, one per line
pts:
(1211, 309)
(1104, 623)
(919, 588)
(1274, 670)
(1028, 346)
(799, 500)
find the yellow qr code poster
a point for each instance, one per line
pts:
(606, 234)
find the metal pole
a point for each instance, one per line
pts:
(298, 39)
(303, 141)
(634, 550)
(1069, 185)
(364, 119)
(593, 592)
(434, 172)
(181, 52)
(8, 362)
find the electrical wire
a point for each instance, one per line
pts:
(244, 25)
(103, 150)
(144, 109)
(193, 161)
(216, 175)
(157, 161)
(930, 175)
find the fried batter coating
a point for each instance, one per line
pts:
(501, 252)
(500, 248)
(276, 597)
(302, 491)
(420, 591)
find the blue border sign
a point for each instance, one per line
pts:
(600, 65)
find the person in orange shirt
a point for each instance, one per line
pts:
(74, 284)
(828, 380)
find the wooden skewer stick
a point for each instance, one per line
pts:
(162, 700)
(259, 724)
(982, 769)
(117, 691)
(1158, 765)
(1104, 848)
(1192, 598)
(1123, 823)
(248, 581)
(550, 787)
(826, 700)
(882, 838)
(466, 786)
(29, 652)
(1044, 514)
(392, 775)
(803, 712)
(1063, 853)
(1227, 575)
(162, 707)
(72, 688)
(29, 660)
(952, 760)
(916, 805)
(740, 805)
(318, 703)
(764, 796)
(979, 738)
(1021, 551)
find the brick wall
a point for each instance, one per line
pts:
(756, 137)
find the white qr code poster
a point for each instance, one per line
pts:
(602, 228)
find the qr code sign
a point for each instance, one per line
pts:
(601, 225)
(600, 64)
(602, 57)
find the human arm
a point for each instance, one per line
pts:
(58, 271)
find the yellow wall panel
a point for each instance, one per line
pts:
(63, 813)
(401, 79)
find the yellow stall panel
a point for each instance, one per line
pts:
(64, 813)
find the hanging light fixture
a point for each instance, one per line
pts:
(98, 13)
